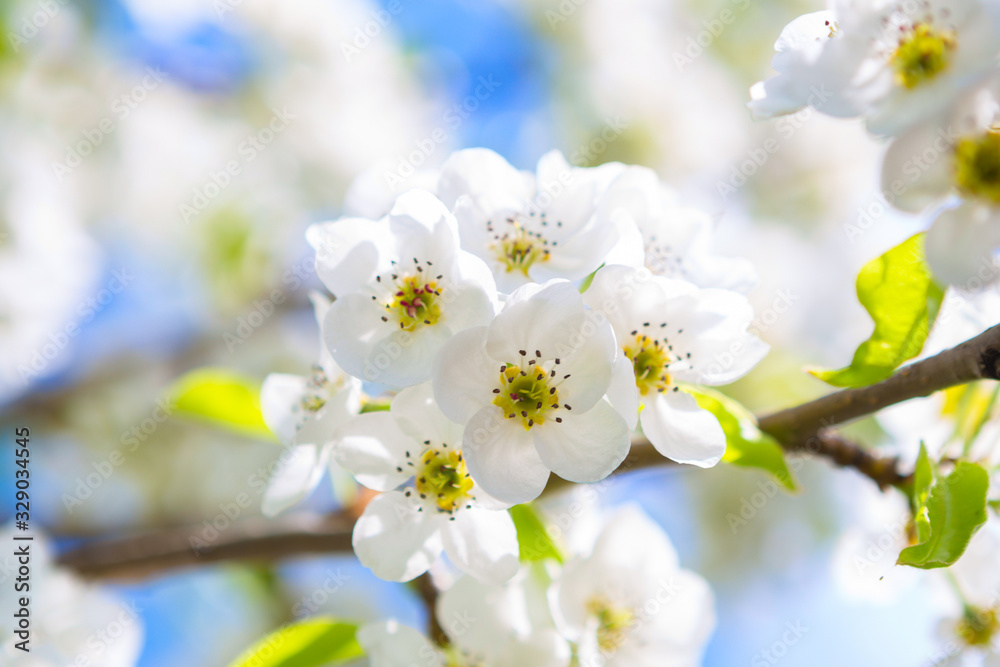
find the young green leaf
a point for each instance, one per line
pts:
(954, 509)
(746, 445)
(900, 295)
(532, 537)
(223, 398)
(317, 642)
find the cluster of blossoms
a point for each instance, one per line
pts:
(923, 73)
(621, 599)
(522, 324)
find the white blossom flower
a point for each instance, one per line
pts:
(672, 334)
(958, 156)
(675, 239)
(529, 389)
(629, 603)
(71, 622)
(890, 62)
(403, 287)
(305, 412)
(439, 508)
(487, 625)
(529, 227)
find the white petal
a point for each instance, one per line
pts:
(485, 175)
(501, 457)
(465, 375)
(418, 415)
(685, 618)
(589, 365)
(544, 648)
(482, 543)
(623, 393)
(389, 644)
(395, 539)
(545, 317)
(280, 394)
(377, 351)
(585, 447)
(961, 243)
(373, 448)
(299, 471)
(909, 178)
(682, 431)
(347, 252)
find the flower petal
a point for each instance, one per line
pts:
(280, 395)
(347, 252)
(389, 644)
(961, 244)
(373, 448)
(377, 351)
(299, 471)
(544, 317)
(585, 447)
(501, 457)
(395, 538)
(482, 543)
(464, 375)
(623, 393)
(417, 414)
(682, 431)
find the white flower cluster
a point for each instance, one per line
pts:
(464, 300)
(623, 600)
(923, 72)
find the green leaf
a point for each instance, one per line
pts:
(923, 480)
(223, 398)
(746, 445)
(900, 295)
(375, 405)
(318, 642)
(585, 285)
(955, 508)
(532, 537)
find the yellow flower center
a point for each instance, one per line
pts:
(517, 247)
(415, 303)
(922, 54)
(444, 478)
(528, 392)
(977, 166)
(978, 626)
(650, 359)
(613, 623)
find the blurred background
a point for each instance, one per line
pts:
(162, 159)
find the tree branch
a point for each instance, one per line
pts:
(804, 428)
(975, 359)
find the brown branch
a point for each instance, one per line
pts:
(975, 359)
(804, 428)
(257, 539)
